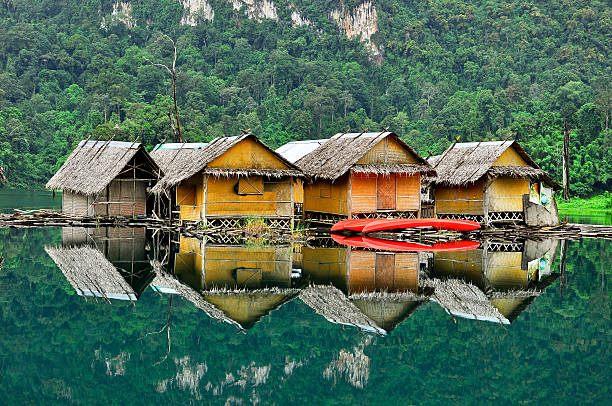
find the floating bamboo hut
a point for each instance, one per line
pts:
(493, 182)
(226, 180)
(107, 178)
(356, 175)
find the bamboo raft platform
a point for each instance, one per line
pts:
(54, 218)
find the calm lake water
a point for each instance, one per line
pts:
(84, 315)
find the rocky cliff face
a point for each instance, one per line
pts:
(122, 12)
(362, 22)
(194, 9)
(257, 9)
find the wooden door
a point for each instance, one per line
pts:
(385, 192)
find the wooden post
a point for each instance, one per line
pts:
(566, 174)
(204, 197)
(562, 258)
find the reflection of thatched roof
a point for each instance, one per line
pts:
(468, 162)
(293, 151)
(90, 273)
(387, 314)
(463, 299)
(512, 303)
(181, 161)
(335, 157)
(332, 304)
(93, 165)
(247, 307)
(167, 283)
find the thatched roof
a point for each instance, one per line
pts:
(94, 164)
(465, 300)
(90, 273)
(331, 303)
(341, 152)
(294, 151)
(468, 162)
(182, 161)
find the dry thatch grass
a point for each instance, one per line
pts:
(93, 165)
(465, 163)
(182, 161)
(340, 153)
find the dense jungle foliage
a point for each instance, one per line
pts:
(447, 68)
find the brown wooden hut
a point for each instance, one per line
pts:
(226, 180)
(106, 178)
(363, 175)
(492, 182)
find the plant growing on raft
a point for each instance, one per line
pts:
(255, 225)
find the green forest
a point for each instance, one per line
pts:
(429, 70)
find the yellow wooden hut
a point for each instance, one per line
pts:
(493, 182)
(226, 180)
(246, 283)
(107, 178)
(355, 175)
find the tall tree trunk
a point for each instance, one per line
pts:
(566, 174)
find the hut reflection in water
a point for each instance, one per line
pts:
(372, 290)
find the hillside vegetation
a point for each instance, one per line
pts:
(429, 70)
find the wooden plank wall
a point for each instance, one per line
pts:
(506, 194)
(327, 197)
(222, 199)
(387, 151)
(460, 199)
(365, 192)
(248, 154)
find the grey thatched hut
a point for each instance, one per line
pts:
(357, 175)
(493, 182)
(227, 179)
(106, 178)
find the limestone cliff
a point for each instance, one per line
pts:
(195, 9)
(362, 22)
(257, 9)
(122, 12)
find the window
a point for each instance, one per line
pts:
(250, 185)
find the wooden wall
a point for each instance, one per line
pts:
(402, 192)
(77, 204)
(327, 197)
(504, 272)
(510, 158)
(506, 194)
(248, 154)
(388, 151)
(460, 199)
(222, 199)
(190, 198)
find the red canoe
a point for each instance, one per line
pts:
(440, 224)
(352, 224)
(404, 246)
